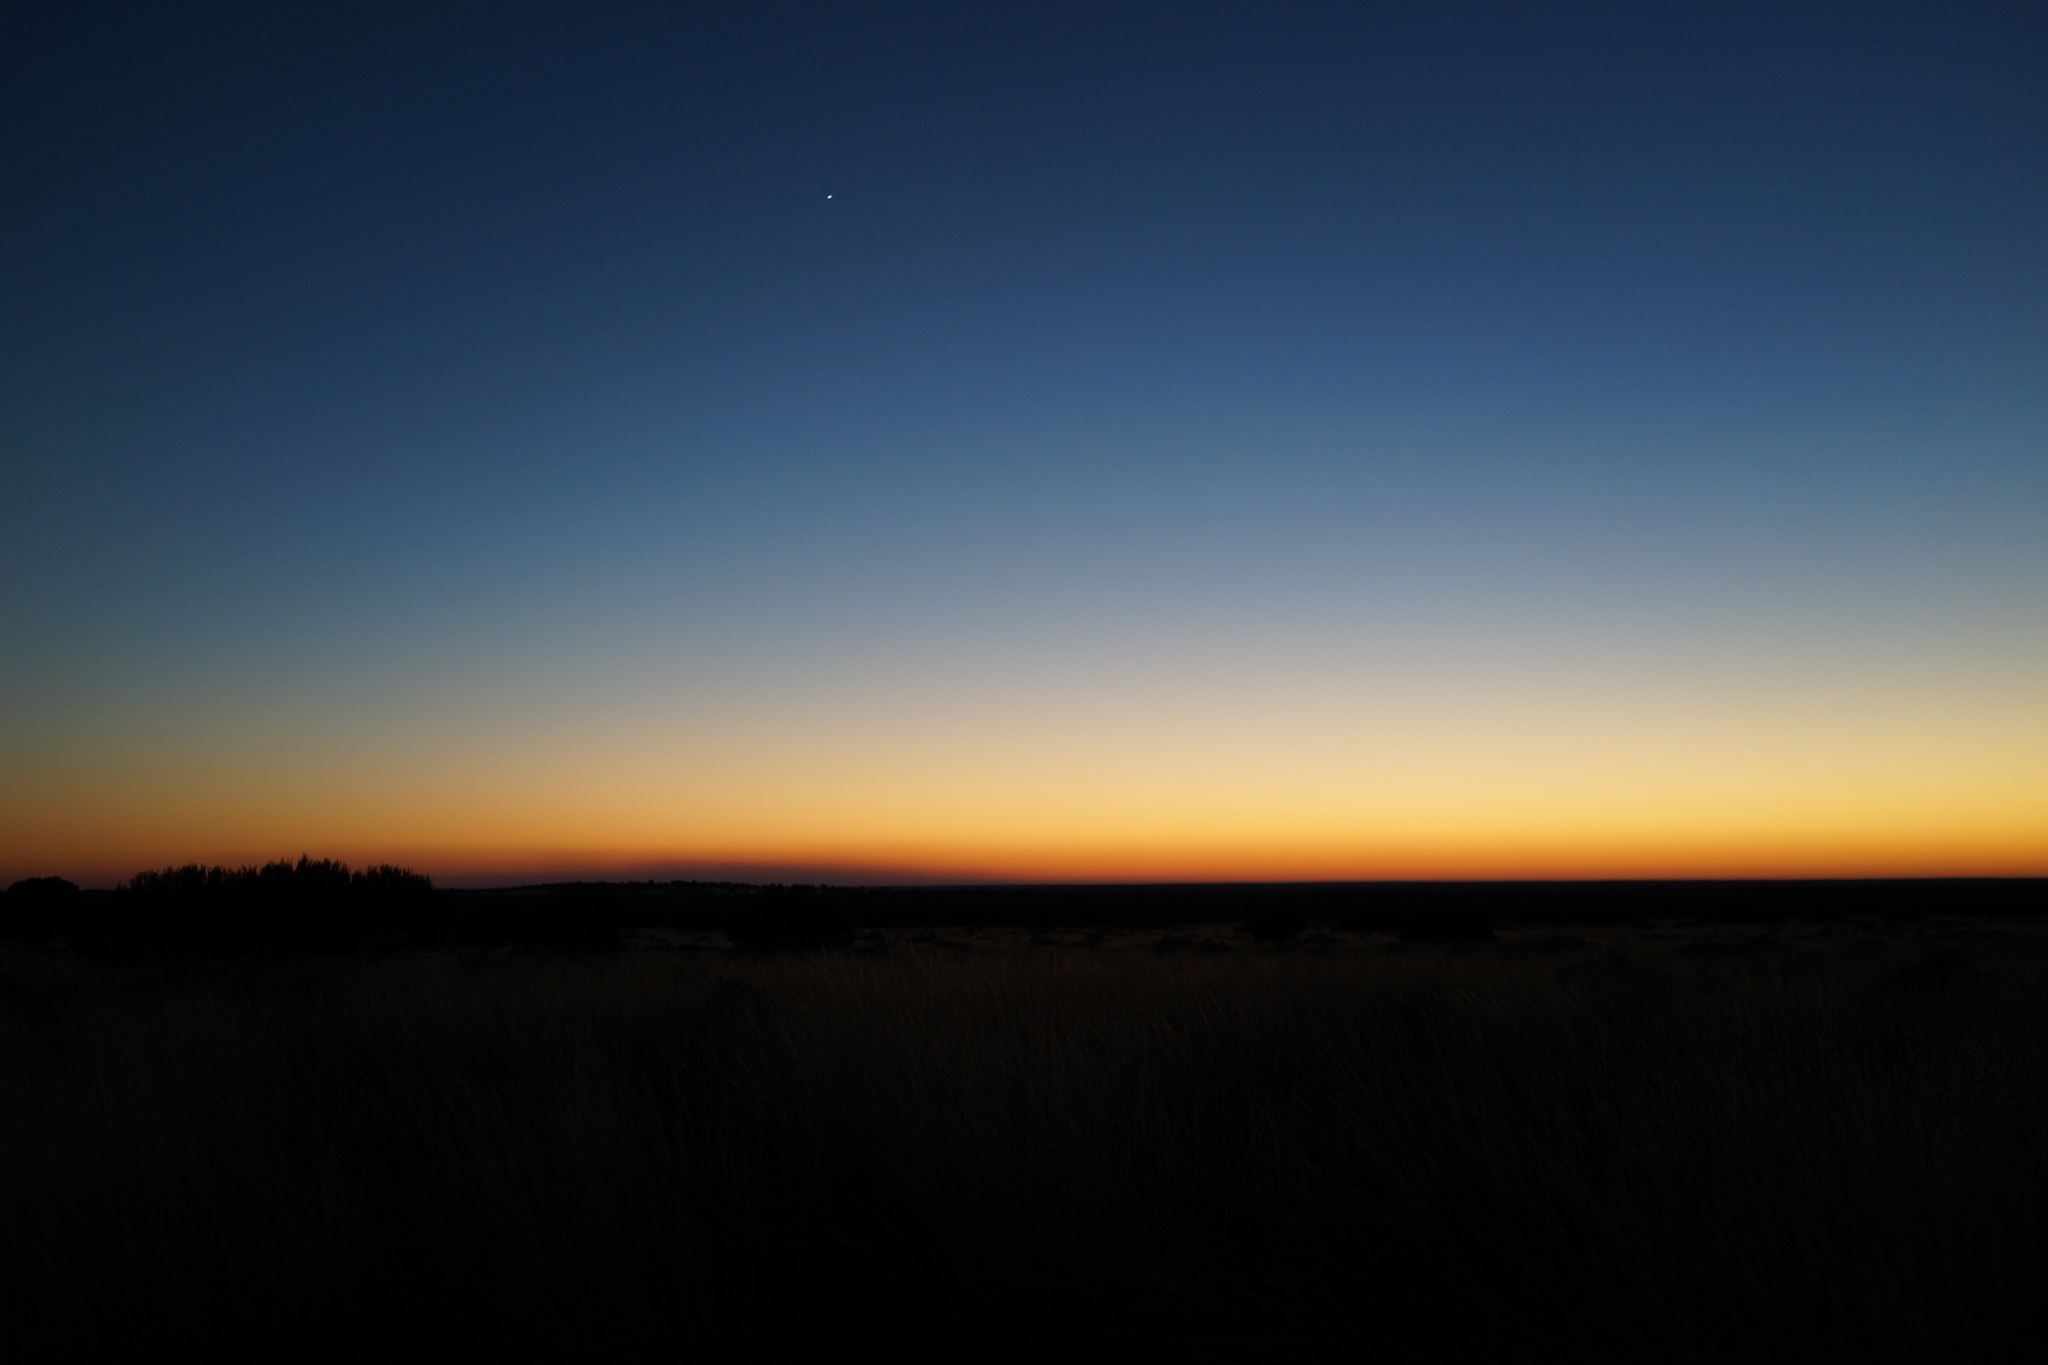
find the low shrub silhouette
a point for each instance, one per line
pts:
(1452, 926)
(583, 917)
(1276, 924)
(790, 919)
(37, 909)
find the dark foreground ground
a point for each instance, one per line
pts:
(1814, 1143)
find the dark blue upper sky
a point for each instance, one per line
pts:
(611, 351)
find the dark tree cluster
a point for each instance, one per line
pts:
(38, 909)
(308, 903)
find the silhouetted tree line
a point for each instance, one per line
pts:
(323, 904)
(316, 904)
(308, 903)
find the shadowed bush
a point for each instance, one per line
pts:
(790, 919)
(38, 909)
(587, 917)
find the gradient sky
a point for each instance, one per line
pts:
(1040, 441)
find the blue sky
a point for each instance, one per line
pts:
(437, 383)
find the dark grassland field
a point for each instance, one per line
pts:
(1807, 1143)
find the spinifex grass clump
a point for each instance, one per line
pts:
(1818, 1152)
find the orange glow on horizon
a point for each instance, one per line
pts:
(1288, 780)
(1102, 862)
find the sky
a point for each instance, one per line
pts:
(1032, 442)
